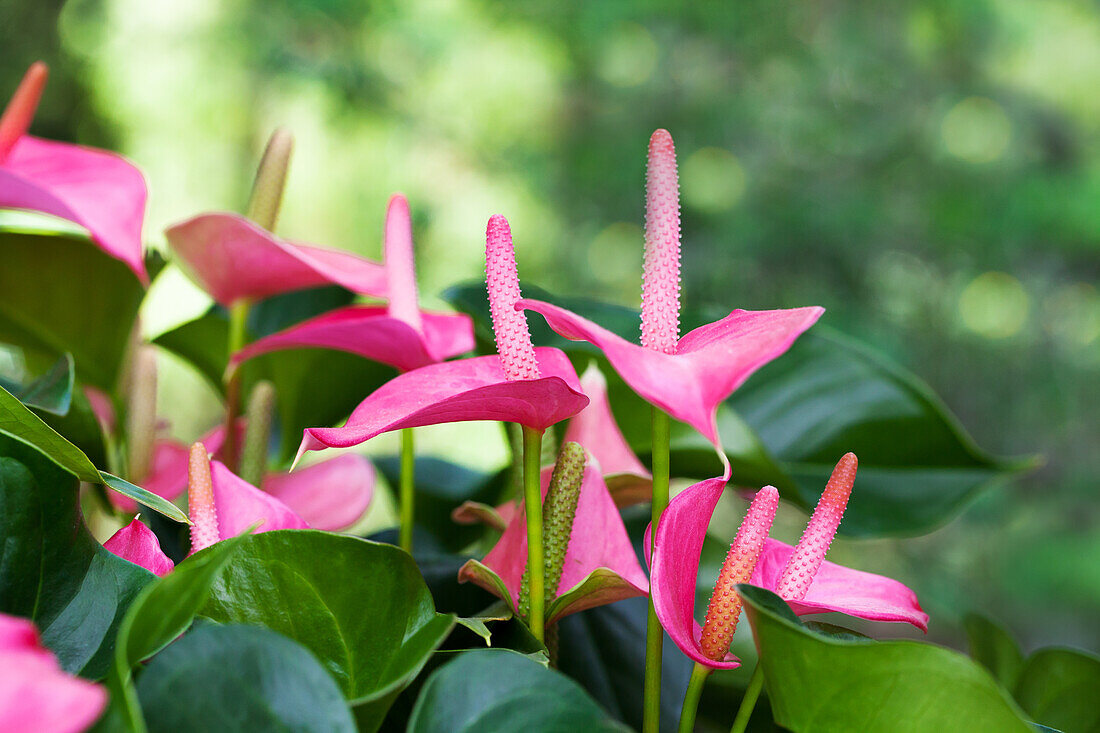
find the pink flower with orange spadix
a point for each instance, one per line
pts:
(399, 333)
(94, 189)
(536, 388)
(802, 577)
(137, 543)
(686, 377)
(589, 557)
(236, 258)
(222, 505)
(35, 693)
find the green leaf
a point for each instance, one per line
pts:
(60, 293)
(829, 395)
(1059, 688)
(824, 683)
(202, 343)
(489, 690)
(373, 635)
(23, 425)
(240, 678)
(994, 648)
(52, 392)
(51, 568)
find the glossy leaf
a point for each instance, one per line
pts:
(201, 342)
(240, 678)
(489, 690)
(1058, 687)
(373, 635)
(994, 648)
(52, 392)
(822, 682)
(86, 306)
(20, 423)
(52, 570)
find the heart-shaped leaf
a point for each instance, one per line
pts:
(373, 635)
(489, 690)
(818, 682)
(1058, 687)
(20, 423)
(240, 678)
(84, 302)
(52, 570)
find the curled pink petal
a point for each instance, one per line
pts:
(844, 590)
(709, 364)
(373, 333)
(233, 258)
(661, 270)
(35, 694)
(401, 264)
(330, 495)
(241, 505)
(137, 543)
(95, 189)
(457, 391)
(598, 540)
(517, 355)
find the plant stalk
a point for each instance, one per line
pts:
(238, 334)
(532, 507)
(651, 710)
(408, 484)
(748, 702)
(691, 698)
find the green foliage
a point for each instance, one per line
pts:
(53, 570)
(361, 607)
(995, 649)
(821, 682)
(240, 678)
(1058, 687)
(52, 392)
(488, 690)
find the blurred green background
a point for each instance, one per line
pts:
(928, 171)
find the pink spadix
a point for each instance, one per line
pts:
(517, 353)
(401, 264)
(811, 549)
(19, 113)
(725, 603)
(661, 270)
(200, 499)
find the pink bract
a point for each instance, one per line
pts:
(458, 391)
(95, 189)
(35, 694)
(708, 365)
(600, 564)
(233, 258)
(330, 495)
(371, 332)
(137, 543)
(240, 505)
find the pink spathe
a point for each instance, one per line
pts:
(36, 695)
(401, 263)
(329, 495)
(137, 543)
(95, 189)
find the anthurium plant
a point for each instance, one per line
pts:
(235, 581)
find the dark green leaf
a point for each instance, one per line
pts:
(488, 690)
(202, 343)
(823, 683)
(994, 648)
(51, 568)
(60, 293)
(1061, 688)
(361, 607)
(20, 423)
(52, 392)
(240, 678)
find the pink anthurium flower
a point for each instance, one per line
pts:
(600, 565)
(35, 693)
(595, 428)
(329, 495)
(94, 189)
(674, 565)
(398, 333)
(137, 543)
(221, 505)
(686, 377)
(533, 387)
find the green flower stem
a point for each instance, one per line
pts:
(691, 698)
(408, 483)
(238, 335)
(748, 702)
(651, 710)
(532, 503)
